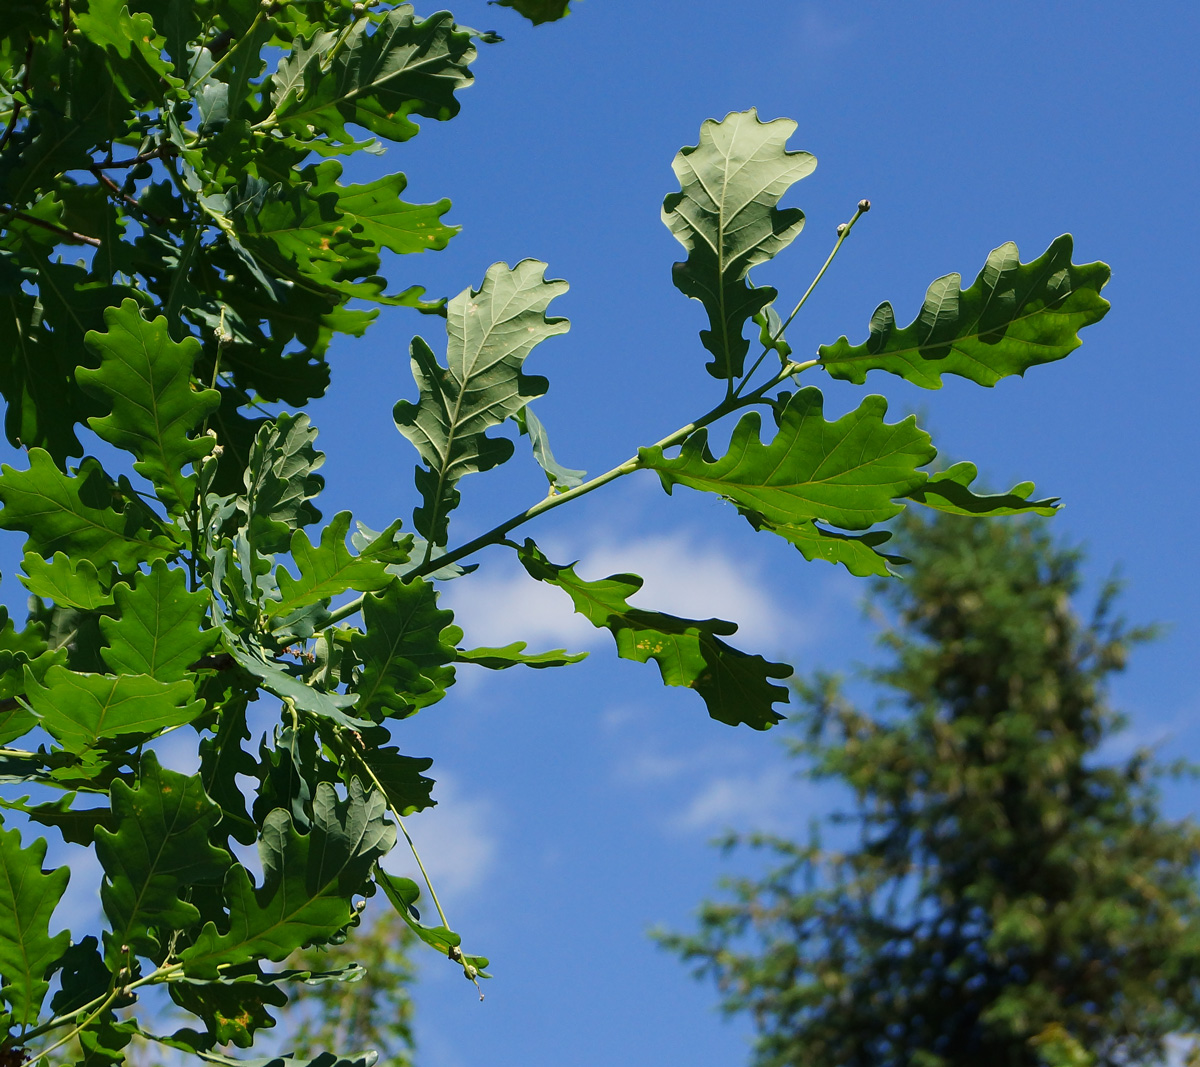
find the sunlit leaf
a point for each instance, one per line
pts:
(726, 216)
(406, 652)
(159, 629)
(147, 379)
(67, 582)
(1015, 316)
(81, 709)
(157, 849)
(28, 897)
(950, 490)
(490, 333)
(736, 686)
(847, 473)
(78, 515)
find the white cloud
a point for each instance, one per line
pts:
(682, 577)
(740, 801)
(457, 841)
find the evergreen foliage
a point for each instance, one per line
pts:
(1007, 895)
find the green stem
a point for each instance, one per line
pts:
(108, 999)
(350, 744)
(548, 503)
(843, 232)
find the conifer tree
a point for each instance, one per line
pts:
(1003, 895)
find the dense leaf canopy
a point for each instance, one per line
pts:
(184, 236)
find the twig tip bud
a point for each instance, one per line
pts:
(864, 206)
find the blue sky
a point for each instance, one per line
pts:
(576, 805)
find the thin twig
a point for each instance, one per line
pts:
(62, 231)
(144, 157)
(116, 190)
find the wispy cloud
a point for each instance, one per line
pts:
(683, 576)
(458, 841)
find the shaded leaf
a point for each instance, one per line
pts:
(538, 11)
(147, 379)
(158, 848)
(1013, 317)
(308, 882)
(736, 687)
(28, 897)
(860, 554)
(403, 894)
(401, 778)
(490, 333)
(847, 473)
(281, 481)
(232, 1010)
(726, 216)
(77, 825)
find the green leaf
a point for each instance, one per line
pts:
(309, 881)
(81, 709)
(222, 759)
(499, 659)
(28, 897)
(232, 1010)
(403, 894)
(329, 569)
(281, 481)
(560, 477)
(405, 67)
(401, 778)
(77, 825)
(275, 677)
(1013, 317)
(726, 216)
(67, 582)
(860, 554)
(736, 686)
(490, 333)
(78, 515)
(157, 849)
(406, 652)
(846, 473)
(949, 490)
(159, 630)
(147, 379)
(538, 11)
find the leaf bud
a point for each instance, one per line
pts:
(841, 228)
(358, 10)
(864, 206)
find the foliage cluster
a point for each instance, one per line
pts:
(178, 252)
(1006, 896)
